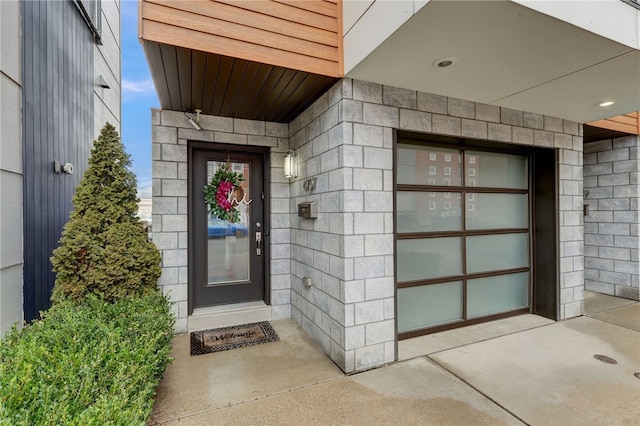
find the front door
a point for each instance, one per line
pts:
(228, 249)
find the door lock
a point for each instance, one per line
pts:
(259, 243)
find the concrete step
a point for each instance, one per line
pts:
(226, 315)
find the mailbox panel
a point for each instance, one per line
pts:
(308, 209)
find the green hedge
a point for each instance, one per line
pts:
(86, 363)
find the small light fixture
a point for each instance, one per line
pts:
(290, 165)
(444, 62)
(606, 104)
(103, 83)
(195, 123)
(58, 167)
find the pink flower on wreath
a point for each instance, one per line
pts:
(222, 195)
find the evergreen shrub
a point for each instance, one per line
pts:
(104, 247)
(90, 362)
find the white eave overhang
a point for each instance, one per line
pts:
(559, 58)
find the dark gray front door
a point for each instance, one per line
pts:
(228, 259)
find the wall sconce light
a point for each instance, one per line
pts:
(103, 83)
(58, 167)
(195, 123)
(290, 165)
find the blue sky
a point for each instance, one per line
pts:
(138, 97)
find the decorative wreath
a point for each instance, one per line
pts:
(224, 193)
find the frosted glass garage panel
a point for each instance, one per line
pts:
(494, 170)
(425, 258)
(497, 211)
(494, 295)
(428, 211)
(424, 165)
(430, 305)
(497, 252)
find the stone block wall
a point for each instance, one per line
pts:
(345, 140)
(348, 250)
(170, 132)
(611, 228)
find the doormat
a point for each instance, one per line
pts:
(236, 336)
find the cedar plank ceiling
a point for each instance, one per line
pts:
(254, 59)
(613, 127)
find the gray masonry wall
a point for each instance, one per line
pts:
(611, 229)
(348, 249)
(170, 132)
(345, 140)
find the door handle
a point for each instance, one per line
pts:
(259, 243)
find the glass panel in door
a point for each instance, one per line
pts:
(496, 170)
(428, 211)
(495, 211)
(228, 241)
(497, 252)
(424, 165)
(492, 295)
(429, 305)
(425, 258)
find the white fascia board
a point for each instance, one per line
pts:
(419, 4)
(371, 23)
(352, 11)
(613, 19)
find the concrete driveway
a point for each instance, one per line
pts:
(523, 370)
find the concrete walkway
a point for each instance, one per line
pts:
(523, 370)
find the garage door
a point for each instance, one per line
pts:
(463, 240)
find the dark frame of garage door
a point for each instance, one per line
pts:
(543, 165)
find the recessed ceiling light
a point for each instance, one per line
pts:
(445, 62)
(606, 103)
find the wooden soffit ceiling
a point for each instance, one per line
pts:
(262, 60)
(187, 80)
(613, 127)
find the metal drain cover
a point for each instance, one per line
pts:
(605, 359)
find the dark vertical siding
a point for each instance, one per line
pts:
(57, 125)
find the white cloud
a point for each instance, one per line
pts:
(145, 86)
(144, 181)
(144, 191)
